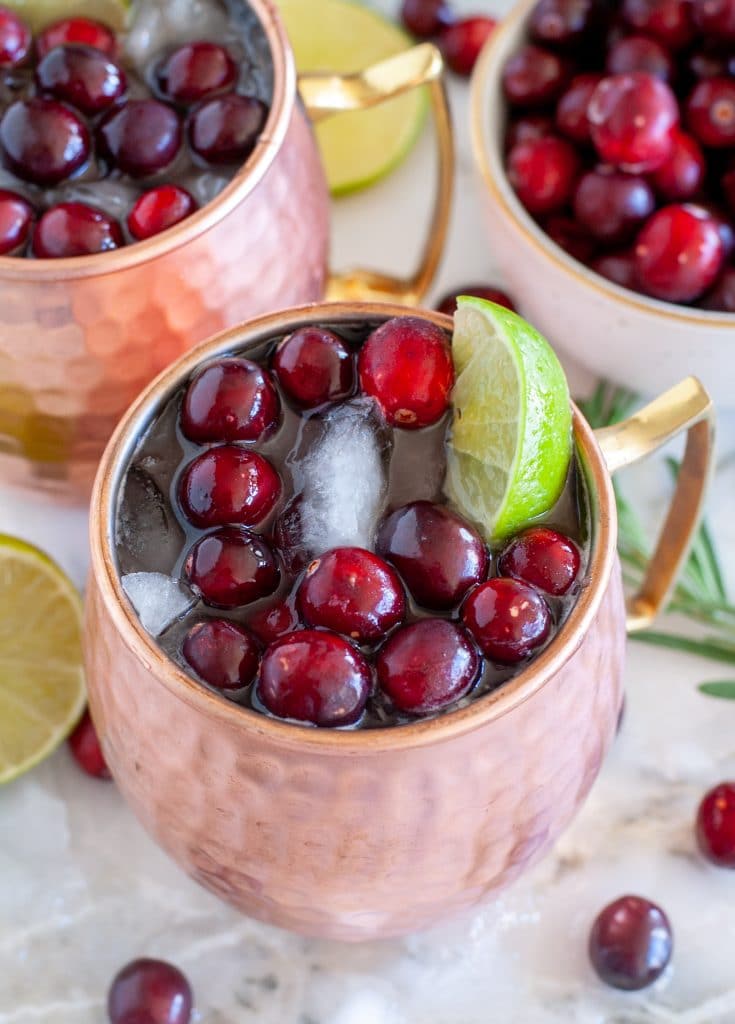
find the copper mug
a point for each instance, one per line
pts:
(363, 834)
(80, 337)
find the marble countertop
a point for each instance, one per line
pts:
(83, 890)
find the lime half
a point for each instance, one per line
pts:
(336, 35)
(41, 676)
(511, 437)
(40, 13)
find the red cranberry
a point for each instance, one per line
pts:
(352, 591)
(571, 236)
(632, 118)
(611, 205)
(230, 400)
(197, 70)
(224, 130)
(149, 992)
(508, 619)
(448, 304)
(571, 111)
(721, 298)
(228, 484)
(711, 112)
(16, 217)
(44, 141)
(82, 76)
(407, 366)
(274, 621)
(75, 229)
(314, 366)
(224, 654)
(564, 23)
(316, 677)
(630, 943)
(15, 39)
(232, 567)
(85, 747)
(529, 126)
(543, 173)
(76, 30)
(669, 21)
(142, 137)
(640, 53)
(715, 18)
(543, 558)
(534, 77)
(725, 229)
(462, 42)
(427, 666)
(437, 553)
(618, 267)
(159, 209)
(682, 175)
(426, 18)
(716, 825)
(678, 254)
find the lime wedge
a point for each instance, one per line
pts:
(40, 13)
(336, 35)
(511, 437)
(41, 676)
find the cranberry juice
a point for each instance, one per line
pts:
(282, 531)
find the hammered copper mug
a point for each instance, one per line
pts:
(370, 833)
(80, 337)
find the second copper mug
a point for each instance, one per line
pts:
(80, 337)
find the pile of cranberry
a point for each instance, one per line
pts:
(621, 140)
(71, 113)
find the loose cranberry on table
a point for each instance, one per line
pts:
(571, 110)
(82, 76)
(632, 118)
(508, 619)
(710, 112)
(141, 138)
(85, 747)
(195, 71)
(543, 173)
(612, 205)
(75, 229)
(85, 31)
(461, 43)
(678, 254)
(224, 130)
(44, 140)
(715, 827)
(448, 304)
(229, 484)
(230, 400)
(16, 218)
(149, 992)
(534, 77)
(224, 654)
(314, 366)
(232, 567)
(669, 21)
(631, 943)
(159, 209)
(426, 18)
(544, 558)
(15, 39)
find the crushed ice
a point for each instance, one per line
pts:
(159, 600)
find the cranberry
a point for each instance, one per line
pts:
(44, 141)
(711, 111)
(448, 304)
(224, 654)
(669, 21)
(682, 175)
(640, 53)
(16, 217)
(85, 747)
(407, 366)
(534, 77)
(82, 76)
(75, 229)
(230, 400)
(529, 126)
(224, 130)
(543, 558)
(571, 111)
(159, 209)
(352, 591)
(632, 118)
(507, 618)
(679, 253)
(149, 992)
(715, 18)
(427, 666)
(15, 39)
(630, 943)
(76, 30)
(316, 677)
(571, 236)
(274, 621)
(725, 229)
(716, 825)
(611, 205)
(426, 18)
(197, 70)
(314, 366)
(228, 484)
(142, 137)
(437, 553)
(543, 173)
(462, 42)
(564, 23)
(232, 567)
(722, 297)
(618, 267)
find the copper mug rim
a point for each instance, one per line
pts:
(242, 184)
(478, 712)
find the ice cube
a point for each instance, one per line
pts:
(114, 197)
(159, 600)
(164, 25)
(148, 534)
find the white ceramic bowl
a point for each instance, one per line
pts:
(642, 343)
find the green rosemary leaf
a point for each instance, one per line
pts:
(709, 647)
(725, 689)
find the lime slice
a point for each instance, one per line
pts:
(41, 677)
(40, 13)
(336, 35)
(511, 437)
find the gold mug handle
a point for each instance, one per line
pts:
(686, 407)
(324, 95)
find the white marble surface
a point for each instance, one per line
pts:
(82, 890)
